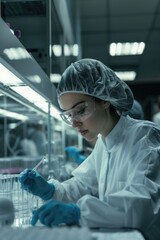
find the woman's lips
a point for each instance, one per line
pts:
(83, 132)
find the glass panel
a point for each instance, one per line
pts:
(23, 142)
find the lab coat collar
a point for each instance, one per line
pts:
(113, 139)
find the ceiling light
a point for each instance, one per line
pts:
(55, 77)
(69, 50)
(57, 50)
(8, 78)
(75, 50)
(35, 78)
(141, 47)
(29, 94)
(126, 48)
(36, 99)
(13, 115)
(16, 53)
(53, 111)
(126, 75)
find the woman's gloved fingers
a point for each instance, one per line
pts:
(34, 217)
(27, 187)
(44, 215)
(39, 214)
(27, 183)
(55, 222)
(26, 179)
(32, 174)
(24, 175)
(27, 173)
(49, 221)
(54, 213)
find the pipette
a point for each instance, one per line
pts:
(43, 160)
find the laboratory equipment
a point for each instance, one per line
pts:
(23, 202)
(44, 160)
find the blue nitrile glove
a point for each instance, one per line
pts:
(34, 183)
(54, 213)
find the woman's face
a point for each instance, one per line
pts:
(88, 115)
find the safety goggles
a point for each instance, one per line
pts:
(79, 113)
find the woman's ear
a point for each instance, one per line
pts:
(106, 105)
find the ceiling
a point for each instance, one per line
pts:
(109, 21)
(101, 22)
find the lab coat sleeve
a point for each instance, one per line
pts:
(84, 181)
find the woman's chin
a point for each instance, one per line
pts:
(91, 139)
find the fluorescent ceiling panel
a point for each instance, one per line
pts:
(29, 94)
(126, 75)
(8, 78)
(126, 48)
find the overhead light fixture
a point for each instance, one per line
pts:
(36, 99)
(14, 115)
(67, 50)
(53, 111)
(35, 78)
(75, 50)
(57, 50)
(55, 77)
(28, 93)
(126, 48)
(8, 78)
(126, 75)
(72, 50)
(16, 53)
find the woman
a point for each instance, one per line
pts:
(118, 185)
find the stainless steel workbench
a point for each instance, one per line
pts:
(68, 233)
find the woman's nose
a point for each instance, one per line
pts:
(75, 123)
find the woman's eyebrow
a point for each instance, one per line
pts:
(75, 105)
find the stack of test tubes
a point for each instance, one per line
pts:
(23, 201)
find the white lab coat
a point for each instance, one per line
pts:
(118, 185)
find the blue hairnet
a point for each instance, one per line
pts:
(92, 77)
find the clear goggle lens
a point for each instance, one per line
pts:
(80, 113)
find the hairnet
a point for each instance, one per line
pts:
(92, 77)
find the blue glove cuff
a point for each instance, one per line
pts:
(49, 193)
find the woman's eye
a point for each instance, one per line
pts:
(81, 111)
